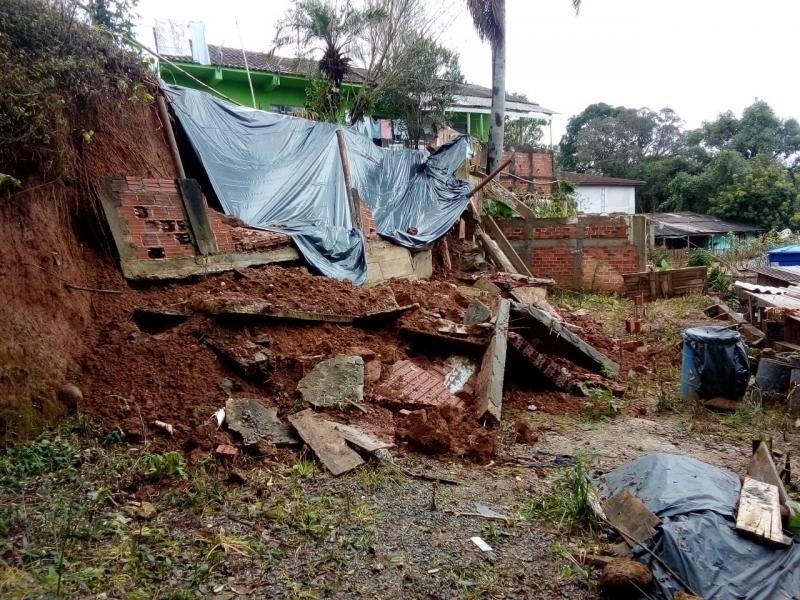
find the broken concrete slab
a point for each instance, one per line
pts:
(337, 381)
(255, 422)
(477, 312)
(255, 308)
(251, 359)
(327, 443)
(489, 387)
(411, 386)
(570, 342)
(483, 284)
(559, 376)
(462, 368)
(529, 294)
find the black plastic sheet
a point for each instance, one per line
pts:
(720, 358)
(283, 173)
(698, 539)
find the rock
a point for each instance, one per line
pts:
(525, 433)
(477, 312)
(621, 577)
(364, 353)
(70, 396)
(338, 381)
(226, 385)
(236, 476)
(372, 371)
(141, 510)
(253, 421)
(685, 596)
(226, 451)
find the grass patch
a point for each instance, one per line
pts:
(566, 502)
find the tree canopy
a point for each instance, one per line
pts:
(740, 168)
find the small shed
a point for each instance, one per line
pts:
(685, 229)
(598, 194)
(788, 256)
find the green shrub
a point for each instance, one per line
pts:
(700, 258)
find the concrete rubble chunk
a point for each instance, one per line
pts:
(255, 422)
(485, 285)
(477, 312)
(489, 386)
(337, 381)
(327, 443)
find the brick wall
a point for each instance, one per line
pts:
(535, 166)
(153, 225)
(589, 252)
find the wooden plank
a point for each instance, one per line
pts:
(359, 438)
(760, 512)
(763, 469)
(629, 514)
(489, 386)
(327, 443)
(194, 206)
(502, 241)
(495, 253)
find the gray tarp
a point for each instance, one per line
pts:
(698, 540)
(284, 173)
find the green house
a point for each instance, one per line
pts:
(279, 85)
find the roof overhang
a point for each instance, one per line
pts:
(480, 105)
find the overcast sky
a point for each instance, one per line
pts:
(699, 57)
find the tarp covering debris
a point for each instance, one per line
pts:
(719, 357)
(283, 173)
(698, 540)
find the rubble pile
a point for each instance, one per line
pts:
(233, 360)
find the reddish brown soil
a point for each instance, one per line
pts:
(448, 430)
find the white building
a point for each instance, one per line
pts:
(597, 194)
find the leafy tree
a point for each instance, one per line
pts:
(694, 191)
(759, 131)
(423, 88)
(330, 28)
(610, 140)
(115, 16)
(524, 132)
(761, 194)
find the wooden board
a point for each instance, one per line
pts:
(630, 516)
(194, 206)
(502, 241)
(763, 469)
(760, 512)
(359, 438)
(328, 444)
(665, 284)
(489, 396)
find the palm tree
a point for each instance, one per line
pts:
(489, 18)
(330, 27)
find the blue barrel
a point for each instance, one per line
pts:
(715, 364)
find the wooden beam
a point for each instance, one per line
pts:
(499, 237)
(495, 253)
(173, 145)
(490, 378)
(489, 177)
(352, 199)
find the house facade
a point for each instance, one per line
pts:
(279, 84)
(686, 229)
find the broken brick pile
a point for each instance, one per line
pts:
(152, 217)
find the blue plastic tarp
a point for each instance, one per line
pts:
(697, 538)
(283, 173)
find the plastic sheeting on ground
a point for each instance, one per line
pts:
(284, 173)
(697, 539)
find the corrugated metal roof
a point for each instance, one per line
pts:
(683, 223)
(787, 274)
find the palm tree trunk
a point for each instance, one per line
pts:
(495, 149)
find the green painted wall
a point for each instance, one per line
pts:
(271, 89)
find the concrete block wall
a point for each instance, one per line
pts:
(153, 224)
(590, 252)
